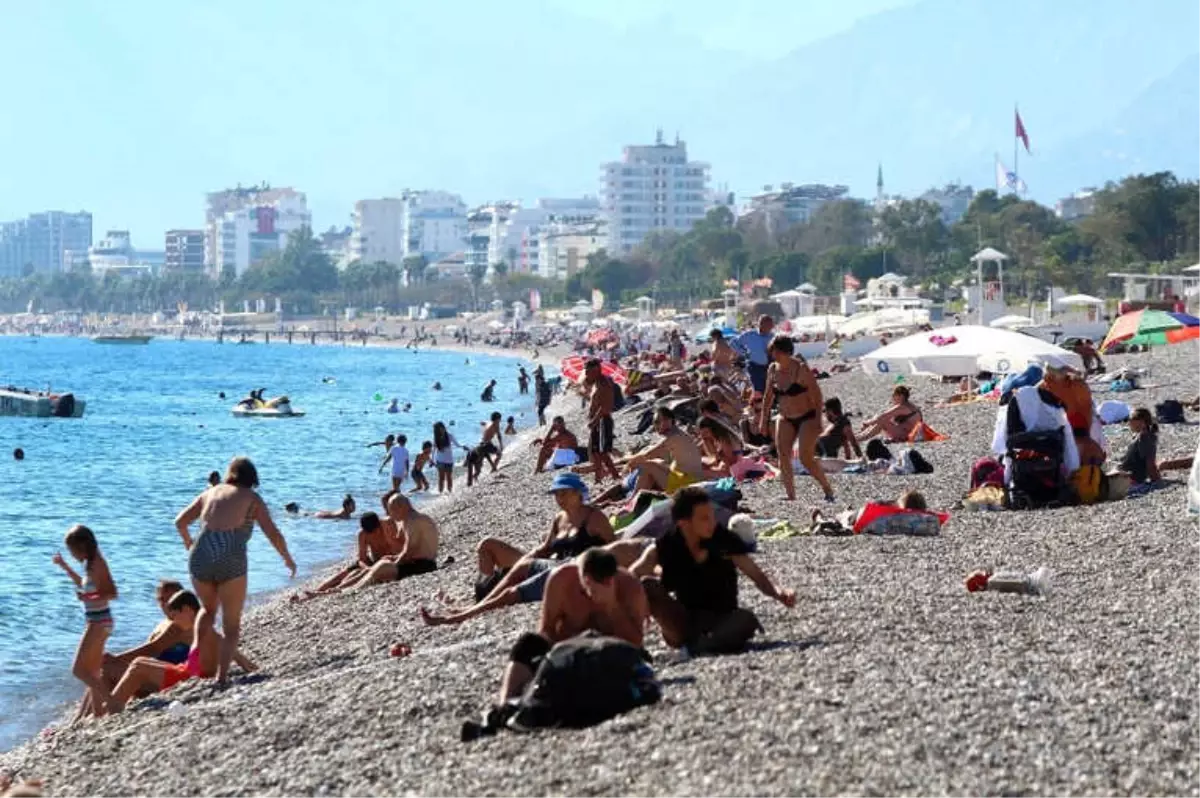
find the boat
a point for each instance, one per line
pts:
(39, 404)
(122, 339)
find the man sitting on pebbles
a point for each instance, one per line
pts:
(694, 598)
(592, 594)
(374, 544)
(418, 550)
(508, 577)
(673, 463)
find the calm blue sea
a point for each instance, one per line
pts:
(153, 430)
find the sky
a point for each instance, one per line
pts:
(134, 109)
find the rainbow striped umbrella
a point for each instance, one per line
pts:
(1151, 327)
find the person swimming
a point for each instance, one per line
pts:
(348, 508)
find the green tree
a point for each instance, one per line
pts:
(476, 273)
(415, 266)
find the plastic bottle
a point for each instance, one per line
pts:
(1036, 583)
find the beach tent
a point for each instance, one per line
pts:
(814, 325)
(964, 351)
(1193, 268)
(880, 320)
(1012, 322)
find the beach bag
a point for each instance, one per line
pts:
(1169, 411)
(919, 463)
(876, 450)
(1088, 484)
(586, 680)
(987, 471)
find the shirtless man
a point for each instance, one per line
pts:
(723, 356)
(602, 398)
(418, 551)
(491, 445)
(559, 439)
(674, 463)
(591, 594)
(374, 544)
(489, 392)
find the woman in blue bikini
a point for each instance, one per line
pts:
(217, 557)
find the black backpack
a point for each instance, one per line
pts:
(586, 680)
(1169, 411)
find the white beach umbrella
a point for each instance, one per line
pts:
(966, 350)
(1013, 322)
(1079, 299)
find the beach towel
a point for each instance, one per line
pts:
(926, 433)
(878, 518)
(781, 530)
(987, 497)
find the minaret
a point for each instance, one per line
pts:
(879, 189)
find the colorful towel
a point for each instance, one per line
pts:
(926, 433)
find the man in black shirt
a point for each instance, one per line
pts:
(695, 598)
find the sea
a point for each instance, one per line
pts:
(154, 428)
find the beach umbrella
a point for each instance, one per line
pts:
(1079, 299)
(572, 369)
(1012, 322)
(1151, 327)
(966, 350)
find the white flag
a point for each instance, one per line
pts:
(1006, 180)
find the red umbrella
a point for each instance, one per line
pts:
(572, 369)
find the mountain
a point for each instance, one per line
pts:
(929, 89)
(1157, 131)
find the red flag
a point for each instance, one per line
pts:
(851, 283)
(1020, 130)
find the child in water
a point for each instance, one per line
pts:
(424, 458)
(95, 588)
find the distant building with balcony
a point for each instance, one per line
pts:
(653, 188)
(184, 251)
(428, 223)
(515, 234)
(1078, 205)
(255, 229)
(564, 244)
(38, 243)
(791, 204)
(954, 200)
(227, 203)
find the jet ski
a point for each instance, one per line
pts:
(254, 406)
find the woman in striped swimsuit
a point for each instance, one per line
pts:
(217, 557)
(95, 589)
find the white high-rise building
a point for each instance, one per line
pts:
(247, 234)
(429, 223)
(378, 231)
(652, 188)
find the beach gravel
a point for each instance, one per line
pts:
(887, 677)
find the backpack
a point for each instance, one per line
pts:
(877, 451)
(1169, 411)
(987, 471)
(618, 398)
(919, 463)
(1088, 483)
(586, 680)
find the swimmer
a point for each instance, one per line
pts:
(394, 407)
(347, 510)
(18, 453)
(292, 507)
(437, 386)
(214, 478)
(510, 426)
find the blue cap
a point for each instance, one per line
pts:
(568, 481)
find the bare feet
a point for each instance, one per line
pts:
(429, 618)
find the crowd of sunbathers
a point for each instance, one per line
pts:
(726, 414)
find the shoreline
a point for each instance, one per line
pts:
(315, 572)
(887, 678)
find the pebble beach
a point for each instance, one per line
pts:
(887, 678)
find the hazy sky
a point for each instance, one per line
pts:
(132, 109)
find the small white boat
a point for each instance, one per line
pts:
(281, 410)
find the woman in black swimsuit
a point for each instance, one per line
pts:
(897, 422)
(800, 402)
